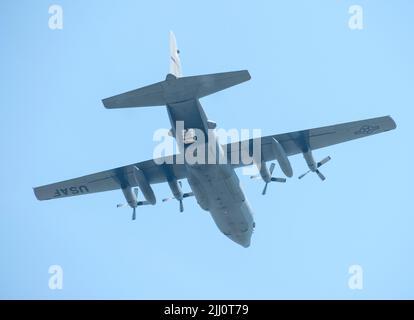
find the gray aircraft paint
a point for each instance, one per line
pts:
(215, 186)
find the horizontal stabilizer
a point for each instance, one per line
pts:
(174, 90)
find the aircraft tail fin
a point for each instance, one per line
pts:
(175, 63)
(174, 88)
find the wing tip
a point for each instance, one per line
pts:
(247, 74)
(105, 102)
(391, 123)
(36, 193)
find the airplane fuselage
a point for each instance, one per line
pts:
(215, 186)
(213, 180)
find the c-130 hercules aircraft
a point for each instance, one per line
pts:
(215, 186)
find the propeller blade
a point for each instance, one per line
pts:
(167, 199)
(322, 162)
(257, 176)
(181, 206)
(188, 194)
(272, 168)
(265, 189)
(120, 205)
(134, 213)
(301, 176)
(279, 180)
(320, 175)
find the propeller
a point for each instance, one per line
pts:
(138, 203)
(272, 179)
(180, 199)
(318, 165)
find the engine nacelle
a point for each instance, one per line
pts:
(176, 189)
(130, 197)
(310, 161)
(144, 185)
(264, 172)
(282, 158)
(313, 165)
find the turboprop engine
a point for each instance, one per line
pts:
(281, 157)
(178, 194)
(266, 173)
(313, 166)
(137, 177)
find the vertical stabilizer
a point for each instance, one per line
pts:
(175, 63)
(175, 88)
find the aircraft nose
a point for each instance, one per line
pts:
(245, 244)
(243, 239)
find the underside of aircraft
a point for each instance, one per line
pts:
(214, 184)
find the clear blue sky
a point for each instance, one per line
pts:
(308, 70)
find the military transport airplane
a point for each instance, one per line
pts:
(216, 186)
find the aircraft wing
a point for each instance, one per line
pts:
(300, 141)
(293, 143)
(113, 179)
